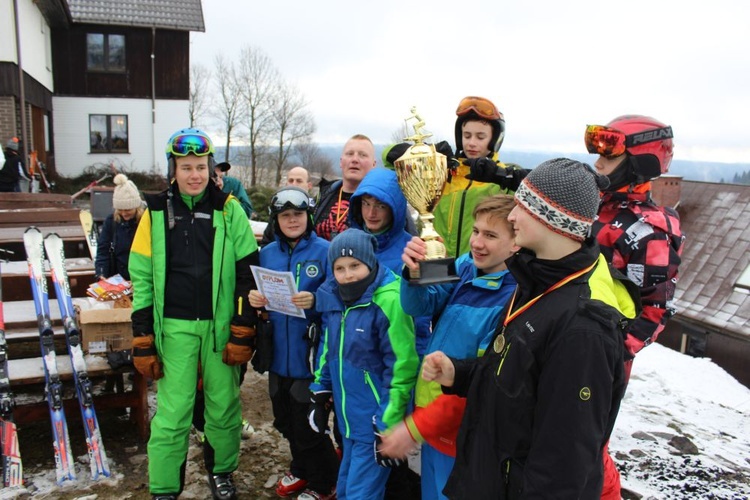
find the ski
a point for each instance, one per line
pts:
(97, 456)
(89, 230)
(64, 464)
(11, 455)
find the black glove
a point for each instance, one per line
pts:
(263, 356)
(319, 411)
(444, 148)
(118, 359)
(486, 170)
(312, 337)
(380, 459)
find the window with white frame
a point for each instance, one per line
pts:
(108, 133)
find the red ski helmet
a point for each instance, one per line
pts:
(646, 136)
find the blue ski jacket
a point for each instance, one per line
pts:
(308, 262)
(466, 313)
(368, 358)
(382, 184)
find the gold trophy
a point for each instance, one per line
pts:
(422, 172)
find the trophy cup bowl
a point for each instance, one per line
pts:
(422, 172)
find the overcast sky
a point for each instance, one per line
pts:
(550, 66)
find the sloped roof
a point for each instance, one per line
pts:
(186, 15)
(716, 221)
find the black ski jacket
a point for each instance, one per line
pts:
(540, 411)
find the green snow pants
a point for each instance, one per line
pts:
(183, 345)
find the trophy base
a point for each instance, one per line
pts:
(436, 271)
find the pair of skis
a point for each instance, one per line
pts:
(35, 246)
(11, 455)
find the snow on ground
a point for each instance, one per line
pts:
(671, 397)
(673, 401)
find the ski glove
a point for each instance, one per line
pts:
(145, 359)
(380, 459)
(444, 148)
(239, 348)
(486, 170)
(320, 409)
(263, 356)
(312, 337)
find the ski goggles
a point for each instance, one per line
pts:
(479, 105)
(185, 144)
(610, 143)
(289, 199)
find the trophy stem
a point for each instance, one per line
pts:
(435, 247)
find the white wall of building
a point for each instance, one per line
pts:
(146, 140)
(36, 48)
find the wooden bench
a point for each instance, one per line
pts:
(17, 287)
(25, 372)
(30, 372)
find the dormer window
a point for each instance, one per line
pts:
(105, 52)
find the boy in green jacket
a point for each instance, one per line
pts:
(190, 266)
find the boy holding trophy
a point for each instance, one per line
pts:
(469, 311)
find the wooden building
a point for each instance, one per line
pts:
(713, 291)
(110, 80)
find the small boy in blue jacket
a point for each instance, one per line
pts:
(368, 362)
(298, 250)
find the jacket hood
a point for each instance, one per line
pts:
(382, 184)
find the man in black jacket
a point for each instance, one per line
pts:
(13, 170)
(542, 401)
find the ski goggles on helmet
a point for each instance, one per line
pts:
(604, 141)
(610, 143)
(185, 144)
(480, 106)
(286, 199)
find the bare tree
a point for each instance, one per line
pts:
(292, 123)
(227, 110)
(259, 81)
(200, 99)
(403, 131)
(309, 154)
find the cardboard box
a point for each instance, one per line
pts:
(105, 330)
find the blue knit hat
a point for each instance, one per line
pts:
(354, 243)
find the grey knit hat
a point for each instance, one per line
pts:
(562, 194)
(354, 243)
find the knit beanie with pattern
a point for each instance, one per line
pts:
(126, 195)
(562, 194)
(354, 243)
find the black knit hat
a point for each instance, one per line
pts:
(563, 194)
(354, 243)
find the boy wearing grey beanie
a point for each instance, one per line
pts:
(542, 401)
(367, 337)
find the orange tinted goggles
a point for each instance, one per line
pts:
(604, 141)
(479, 105)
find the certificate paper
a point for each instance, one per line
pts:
(278, 288)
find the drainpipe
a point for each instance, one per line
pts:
(21, 89)
(153, 93)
